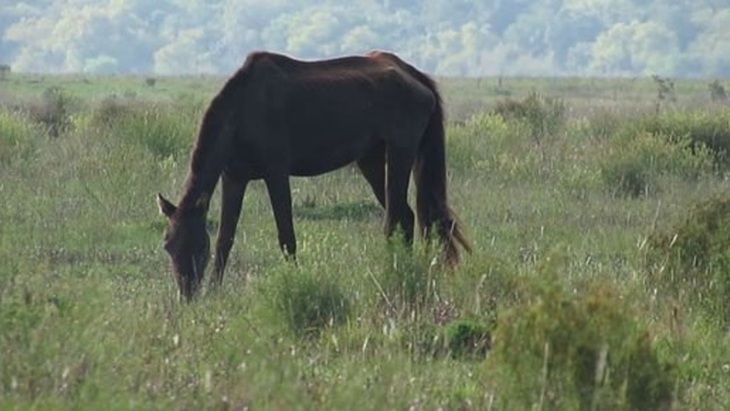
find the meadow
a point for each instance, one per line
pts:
(598, 211)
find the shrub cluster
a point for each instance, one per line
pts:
(55, 110)
(305, 301)
(545, 115)
(165, 130)
(700, 130)
(582, 350)
(636, 159)
(691, 259)
(17, 136)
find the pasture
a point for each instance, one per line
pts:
(598, 210)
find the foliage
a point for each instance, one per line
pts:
(462, 38)
(18, 136)
(89, 315)
(544, 115)
(409, 283)
(54, 111)
(307, 302)
(691, 259)
(466, 339)
(664, 89)
(634, 163)
(583, 350)
(160, 129)
(500, 149)
(4, 71)
(717, 91)
(702, 130)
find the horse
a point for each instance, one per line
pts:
(278, 117)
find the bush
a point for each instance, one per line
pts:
(632, 164)
(4, 71)
(16, 136)
(496, 147)
(409, 282)
(691, 259)
(467, 339)
(164, 130)
(581, 350)
(545, 115)
(459, 339)
(702, 131)
(308, 303)
(626, 176)
(55, 110)
(717, 91)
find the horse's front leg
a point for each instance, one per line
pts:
(280, 196)
(232, 192)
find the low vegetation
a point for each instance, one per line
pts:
(599, 279)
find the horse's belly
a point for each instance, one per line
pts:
(318, 156)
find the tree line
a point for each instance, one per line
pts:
(684, 38)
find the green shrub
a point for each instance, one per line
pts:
(494, 146)
(459, 339)
(544, 115)
(467, 339)
(409, 282)
(717, 91)
(55, 110)
(306, 302)
(164, 130)
(632, 164)
(16, 136)
(626, 176)
(579, 350)
(700, 130)
(112, 110)
(691, 259)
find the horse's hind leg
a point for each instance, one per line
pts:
(398, 212)
(280, 195)
(232, 192)
(372, 167)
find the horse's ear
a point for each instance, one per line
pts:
(166, 208)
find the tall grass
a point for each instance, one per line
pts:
(597, 282)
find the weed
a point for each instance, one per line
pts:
(4, 71)
(582, 350)
(664, 91)
(409, 282)
(691, 259)
(703, 131)
(717, 91)
(18, 136)
(306, 302)
(161, 129)
(545, 115)
(55, 110)
(635, 162)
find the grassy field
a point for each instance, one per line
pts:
(598, 209)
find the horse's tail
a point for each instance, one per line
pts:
(430, 177)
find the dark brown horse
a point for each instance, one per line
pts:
(278, 117)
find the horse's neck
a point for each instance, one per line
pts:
(197, 192)
(207, 163)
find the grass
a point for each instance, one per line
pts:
(586, 289)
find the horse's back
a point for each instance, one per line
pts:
(321, 115)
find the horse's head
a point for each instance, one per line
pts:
(188, 244)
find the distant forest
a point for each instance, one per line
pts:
(680, 38)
